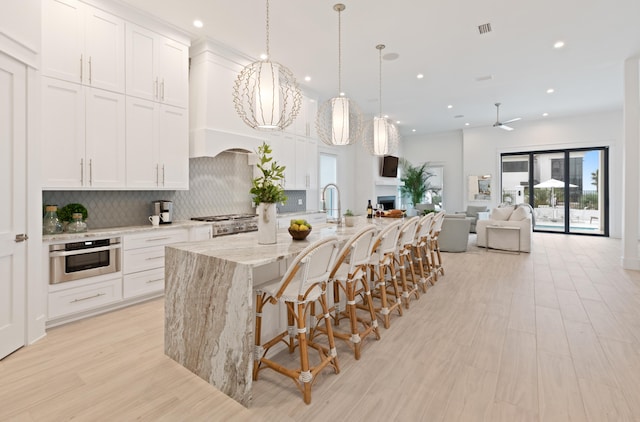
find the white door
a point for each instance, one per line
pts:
(12, 217)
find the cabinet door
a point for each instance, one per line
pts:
(174, 147)
(105, 139)
(104, 50)
(302, 170)
(63, 39)
(284, 152)
(173, 73)
(142, 143)
(141, 62)
(63, 135)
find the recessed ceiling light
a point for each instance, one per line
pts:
(545, 114)
(307, 78)
(198, 23)
(550, 91)
(449, 106)
(397, 122)
(263, 56)
(558, 44)
(413, 130)
(386, 116)
(420, 76)
(342, 94)
(466, 124)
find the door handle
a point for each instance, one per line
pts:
(21, 237)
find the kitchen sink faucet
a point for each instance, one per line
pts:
(324, 203)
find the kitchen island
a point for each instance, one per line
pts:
(209, 293)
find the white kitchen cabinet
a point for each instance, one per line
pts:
(157, 67)
(83, 44)
(157, 147)
(300, 156)
(201, 232)
(305, 123)
(143, 260)
(86, 297)
(83, 132)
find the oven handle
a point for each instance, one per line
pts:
(83, 251)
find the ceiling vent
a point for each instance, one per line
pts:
(484, 28)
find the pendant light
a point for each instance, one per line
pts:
(266, 94)
(339, 121)
(382, 136)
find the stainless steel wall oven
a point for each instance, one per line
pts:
(84, 258)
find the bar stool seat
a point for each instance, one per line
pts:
(303, 284)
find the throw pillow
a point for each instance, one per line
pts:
(501, 214)
(519, 214)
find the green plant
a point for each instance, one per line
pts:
(416, 181)
(268, 188)
(66, 213)
(348, 213)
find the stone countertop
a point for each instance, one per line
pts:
(119, 231)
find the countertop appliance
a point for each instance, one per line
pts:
(231, 223)
(83, 258)
(164, 209)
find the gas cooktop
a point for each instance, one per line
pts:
(227, 217)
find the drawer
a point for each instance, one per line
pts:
(159, 237)
(83, 298)
(136, 260)
(142, 283)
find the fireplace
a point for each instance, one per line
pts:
(388, 202)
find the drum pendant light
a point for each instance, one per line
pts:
(266, 95)
(382, 136)
(339, 121)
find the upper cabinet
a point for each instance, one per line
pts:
(157, 67)
(83, 44)
(115, 99)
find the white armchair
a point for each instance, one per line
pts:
(518, 216)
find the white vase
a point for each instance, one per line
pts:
(267, 224)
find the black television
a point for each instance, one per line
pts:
(389, 166)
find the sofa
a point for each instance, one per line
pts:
(518, 216)
(454, 235)
(472, 215)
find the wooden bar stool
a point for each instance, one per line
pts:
(436, 258)
(383, 273)
(421, 254)
(349, 277)
(304, 283)
(404, 260)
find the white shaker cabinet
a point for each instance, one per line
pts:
(83, 132)
(83, 44)
(157, 152)
(157, 67)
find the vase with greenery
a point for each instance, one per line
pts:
(267, 191)
(349, 218)
(416, 181)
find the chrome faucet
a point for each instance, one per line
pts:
(324, 204)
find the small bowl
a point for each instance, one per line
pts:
(299, 235)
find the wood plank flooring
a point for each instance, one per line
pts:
(549, 336)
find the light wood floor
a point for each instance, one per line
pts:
(549, 336)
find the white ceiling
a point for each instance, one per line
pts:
(441, 40)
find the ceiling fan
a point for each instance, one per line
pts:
(503, 125)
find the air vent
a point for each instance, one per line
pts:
(458, 116)
(484, 78)
(484, 28)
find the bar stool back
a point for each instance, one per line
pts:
(404, 260)
(421, 254)
(304, 283)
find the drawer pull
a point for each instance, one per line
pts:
(151, 258)
(155, 239)
(87, 298)
(154, 281)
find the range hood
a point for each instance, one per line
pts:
(214, 123)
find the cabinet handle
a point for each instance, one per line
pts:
(154, 281)
(89, 70)
(151, 258)
(90, 172)
(162, 90)
(81, 67)
(157, 175)
(87, 298)
(82, 172)
(155, 239)
(155, 89)
(21, 237)
(163, 174)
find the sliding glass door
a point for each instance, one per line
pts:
(566, 188)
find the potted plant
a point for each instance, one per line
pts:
(416, 181)
(349, 218)
(267, 190)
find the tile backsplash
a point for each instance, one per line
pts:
(217, 185)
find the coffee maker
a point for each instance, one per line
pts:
(164, 209)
